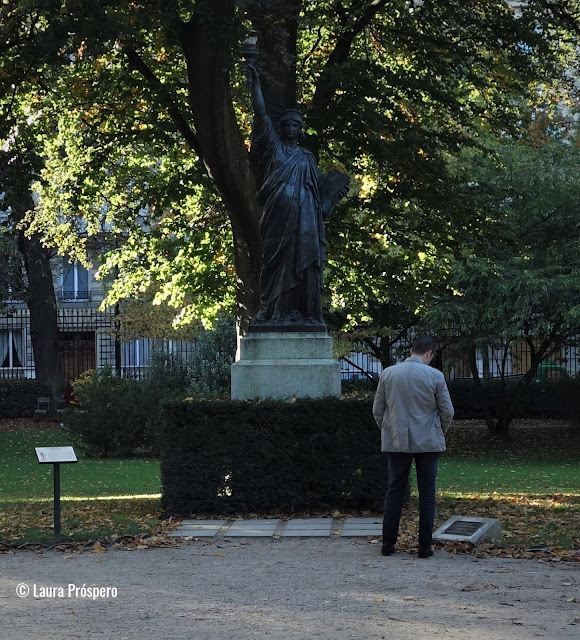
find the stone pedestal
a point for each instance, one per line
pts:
(283, 365)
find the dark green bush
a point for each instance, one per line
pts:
(111, 420)
(120, 416)
(208, 365)
(548, 398)
(229, 457)
(574, 400)
(18, 398)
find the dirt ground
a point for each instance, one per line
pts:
(289, 589)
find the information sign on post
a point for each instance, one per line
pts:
(56, 456)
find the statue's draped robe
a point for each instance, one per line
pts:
(292, 229)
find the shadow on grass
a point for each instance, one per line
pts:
(81, 519)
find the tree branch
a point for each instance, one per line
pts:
(137, 64)
(360, 369)
(563, 14)
(327, 86)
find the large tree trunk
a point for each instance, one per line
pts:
(221, 144)
(41, 300)
(548, 345)
(16, 177)
(277, 29)
(509, 404)
(481, 392)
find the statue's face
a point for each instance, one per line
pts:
(290, 129)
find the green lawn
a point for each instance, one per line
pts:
(531, 484)
(23, 478)
(99, 498)
(506, 476)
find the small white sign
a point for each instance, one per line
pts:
(55, 454)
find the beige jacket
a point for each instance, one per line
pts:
(412, 408)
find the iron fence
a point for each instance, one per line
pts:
(89, 339)
(511, 361)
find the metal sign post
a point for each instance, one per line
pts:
(56, 456)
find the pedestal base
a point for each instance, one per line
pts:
(281, 366)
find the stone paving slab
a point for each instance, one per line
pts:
(305, 533)
(309, 521)
(252, 528)
(304, 527)
(360, 527)
(360, 533)
(363, 521)
(199, 528)
(293, 528)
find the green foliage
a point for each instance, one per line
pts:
(18, 398)
(228, 457)
(113, 417)
(209, 365)
(119, 417)
(575, 401)
(11, 281)
(523, 281)
(139, 151)
(122, 416)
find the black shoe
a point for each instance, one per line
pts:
(425, 553)
(388, 549)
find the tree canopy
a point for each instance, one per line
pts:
(134, 118)
(524, 283)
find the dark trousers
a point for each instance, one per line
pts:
(399, 467)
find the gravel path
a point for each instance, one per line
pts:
(289, 589)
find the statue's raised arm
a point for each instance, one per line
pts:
(296, 199)
(258, 103)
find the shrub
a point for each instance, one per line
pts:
(208, 367)
(18, 398)
(112, 419)
(574, 395)
(545, 398)
(122, 416)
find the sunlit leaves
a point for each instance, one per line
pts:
(100, 94)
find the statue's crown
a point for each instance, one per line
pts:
(289, 114)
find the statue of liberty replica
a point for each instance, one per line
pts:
(287, 352)
(296, 198)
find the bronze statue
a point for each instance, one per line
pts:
(296, 198)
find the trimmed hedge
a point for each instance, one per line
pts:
(18, 398)
(547, 398)
(224, 457)
(230, 457)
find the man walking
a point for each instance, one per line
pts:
(413, 409)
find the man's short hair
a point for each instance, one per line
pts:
(422, 344)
